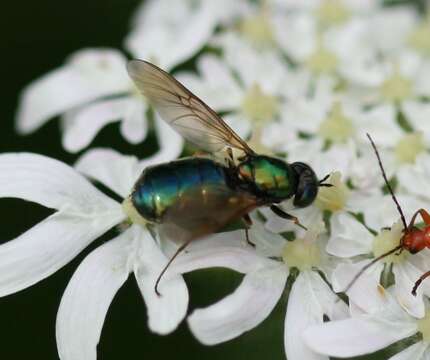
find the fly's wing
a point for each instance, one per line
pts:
(198, 213)
(184, 111)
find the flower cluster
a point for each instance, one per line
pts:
(302, 80)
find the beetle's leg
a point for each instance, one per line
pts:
(281, 213)
(425, 216)
(248, 222)
(419, 281)
(178, 251)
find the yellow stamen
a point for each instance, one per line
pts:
(387, 240)
(409, 147)
(259, 106)
(332, 12)
(337, 127)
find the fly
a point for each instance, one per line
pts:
(193, 197)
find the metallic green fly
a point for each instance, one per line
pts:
(197, 196)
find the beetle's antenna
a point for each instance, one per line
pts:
(402, 216)
(375, 260)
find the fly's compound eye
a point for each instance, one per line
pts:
(307, 185)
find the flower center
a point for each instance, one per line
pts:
(259, 106)
(396, 88)
(336, 127)
(258, 30)
(332, 12)
(409, 147)
(304, 253)
(420, 37)
(386, 240)
(322, 61)
(333, 198)
(424, 326)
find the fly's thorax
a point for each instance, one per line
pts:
(269, 177)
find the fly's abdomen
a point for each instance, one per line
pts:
(164, 186)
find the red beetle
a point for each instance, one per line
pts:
(414, 239)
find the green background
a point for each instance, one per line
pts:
(36, 37)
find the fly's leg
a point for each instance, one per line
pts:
(248, 222)
(419, 281)
(281, 213)
(178, 251)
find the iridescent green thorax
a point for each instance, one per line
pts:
(272, 177)
(163, 186)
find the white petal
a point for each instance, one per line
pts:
(87, 298)
(380, 122)
(47, 247)
(241, 311)
(116, 171)
(418, 114)
(88, 75)
(169, 33)
(406, 274)
(82, 125)
(134, 125)
(365, 293)
(51, 183)
(357, 336)
(169, 141)
(165, 312)
(418, 351)
(227, 250)
(349, 237)
(310, 298)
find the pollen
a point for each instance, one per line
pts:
(259, 106)
(304, 253)
(258, 30)
(424, 326)
(333, 198)
(131, 212)
(322, 61)
(396, 88)
(419, 38)
(409, 147)
(332, 12)
(337, 127)
(387, 240)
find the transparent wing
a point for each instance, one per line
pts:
(184, 111)
(198, 213)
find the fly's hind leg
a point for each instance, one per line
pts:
(248, 222)
(178, 251)
(281, 213)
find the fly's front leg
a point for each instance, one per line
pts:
(248, 222)
(281, 213)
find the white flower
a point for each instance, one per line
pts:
(352, 239)
(264, 283)
(83, 214)
(91, 90)
(168, 33)
(372, 331)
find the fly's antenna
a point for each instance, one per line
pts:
(321, 182)
(375, 260)
(402, 216)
